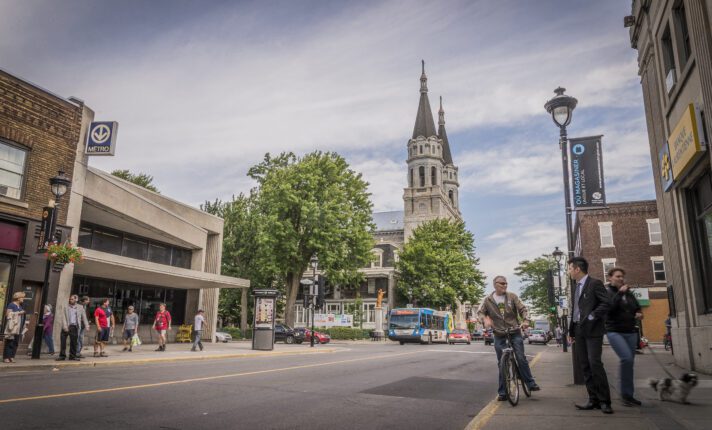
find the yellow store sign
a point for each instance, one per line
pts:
(684, 142)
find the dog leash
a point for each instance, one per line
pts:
(659, 363)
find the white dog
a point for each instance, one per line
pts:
(675, 390)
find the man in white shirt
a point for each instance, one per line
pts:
(198, 324)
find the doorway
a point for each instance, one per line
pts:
(31, 305)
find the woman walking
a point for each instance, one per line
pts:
(48, 324)
(130, 327)
(14, 325)
(623, 314)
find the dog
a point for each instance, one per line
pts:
(674, 390)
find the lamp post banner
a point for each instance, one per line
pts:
(587, 185)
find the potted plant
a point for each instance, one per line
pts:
(64, 253)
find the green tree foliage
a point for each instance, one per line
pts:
(141, 179)
(311, 205)
(438, 266)
(533, 276)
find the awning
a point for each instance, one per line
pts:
(109, 266)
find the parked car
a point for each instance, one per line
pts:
(459, 336)
(538, 336)
(488, 337)
(221, 336)
(318, 338)
(478, 334)
(286, 334)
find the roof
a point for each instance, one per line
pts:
(442, 134)
(424, 123)
(388, 221)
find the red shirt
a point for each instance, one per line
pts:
(162, 320)
(99, 313)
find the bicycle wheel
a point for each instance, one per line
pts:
(508, 369)
(525, 387)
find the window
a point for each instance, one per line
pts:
(377, 260)
(684, 49)
(701, 210)
(658, 269)
(135, 247)
(395, 255)
(608, 264)
(84, 237)
(181, 258)
(369, 312)
(668, 60)
(12, 170)
(421, 149)
(107, 241)
(654, 232)
(421, 173)
(333, 308)
(450, 195)
(158, 253)
(606, 232)
(433, 175)
(411, 178)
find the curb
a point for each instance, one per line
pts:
(62, 365)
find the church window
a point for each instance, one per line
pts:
(421, 172)
(434, 175)
(421, 149)
(452, 200)
(411, 178)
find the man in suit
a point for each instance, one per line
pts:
(71, 319)
(590, 306)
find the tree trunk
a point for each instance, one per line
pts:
(291, 293)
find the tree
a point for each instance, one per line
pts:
(533, 275)
(438, 267)
(142, 179)
(314, 205)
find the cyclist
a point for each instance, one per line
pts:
(501, 311)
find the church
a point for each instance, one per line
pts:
(431, 192)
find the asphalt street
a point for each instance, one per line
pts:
(361, 386)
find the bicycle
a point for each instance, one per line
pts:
(509, 368)
(667, 342)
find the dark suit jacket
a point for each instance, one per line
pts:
(594, 301)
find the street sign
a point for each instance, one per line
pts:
(101, 139)
(587, 172)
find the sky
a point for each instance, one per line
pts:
(203, 89)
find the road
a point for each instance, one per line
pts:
(361, 386)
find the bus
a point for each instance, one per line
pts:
(419, 325)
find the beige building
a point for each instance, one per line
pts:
(674, 45)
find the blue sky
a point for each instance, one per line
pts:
(203, 89)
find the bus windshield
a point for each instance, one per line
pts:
(404, 321)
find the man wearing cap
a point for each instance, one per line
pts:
(198, 330)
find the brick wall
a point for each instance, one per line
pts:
(48, 128)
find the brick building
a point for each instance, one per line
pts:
(627, 235)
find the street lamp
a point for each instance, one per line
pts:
(59, 185)
(314, 262)
(558, 255)
(561, 108)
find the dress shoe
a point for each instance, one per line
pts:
(606, 408)
(501, 398)
(588, 406)
(631, 401)
(60, 358)
(534, 387)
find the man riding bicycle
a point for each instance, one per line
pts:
(503, 311)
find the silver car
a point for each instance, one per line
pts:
(221, 336)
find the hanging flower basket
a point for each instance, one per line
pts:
(64, 253)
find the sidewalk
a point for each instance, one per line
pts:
(145, 354)
(553, 406)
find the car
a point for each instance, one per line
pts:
(318, 338)
(477, 334)
(538, 336)
(221, 336)
(286, 334)
(488, 337)
(459, 336)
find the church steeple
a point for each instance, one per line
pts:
(424, 124)
(442, 134)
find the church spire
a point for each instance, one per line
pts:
(447, 156)
(424, 124)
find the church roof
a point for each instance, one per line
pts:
(424, 123)
(442, 134)
(388, 221)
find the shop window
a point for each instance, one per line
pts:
(135, 247)
(658, 269)
(12, 170)
(654, 233)
(668, 60)
(5, 271)
(684, 48)
(605, 230)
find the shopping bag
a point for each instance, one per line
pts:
(135, 340)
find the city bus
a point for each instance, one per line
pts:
(419, 325)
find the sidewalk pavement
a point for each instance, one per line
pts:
(553, 406)
(146, 354)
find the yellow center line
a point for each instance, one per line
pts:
(206, 378)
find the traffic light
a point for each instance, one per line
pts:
(321, 292)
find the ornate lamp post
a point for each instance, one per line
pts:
(59, 186)
(314, 262)
(558, 255)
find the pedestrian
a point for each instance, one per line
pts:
(71, 319)
(102, 329)
(130, 327)
(590, 307)
(198, 330)
(502, 311)
(84, 303)
(623, 314)
(162, 323)
(111, 322)
(14, 327)
(47, 325)
(559, 333)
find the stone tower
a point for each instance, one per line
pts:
(432, 190)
